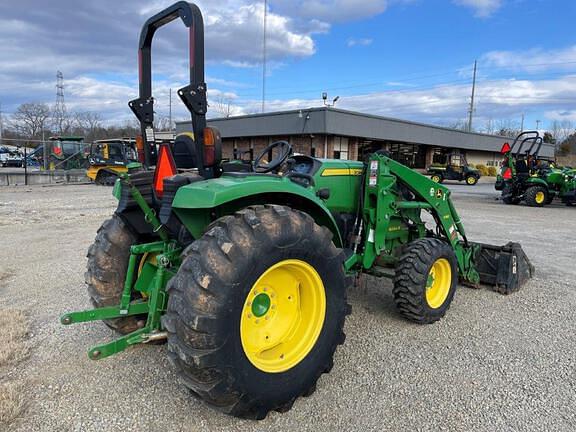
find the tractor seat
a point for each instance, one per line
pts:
(236, 166)
(184, 151)
(522, 167)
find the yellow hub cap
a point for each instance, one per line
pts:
(471, 180)
(435, 179)
(282, 316)
(438, 283)
(540, 197)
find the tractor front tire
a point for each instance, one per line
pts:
(436, 178)
(106, 271)
(536, 196)
(425, 280)
(257, 310)
(471, 180)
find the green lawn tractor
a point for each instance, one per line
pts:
(454, 168)
(525, 176)
(243, 267)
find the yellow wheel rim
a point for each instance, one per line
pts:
(147, 257)
(438, 283)
(282, 316)
(540, 197)
(471, 180)
(435, 179)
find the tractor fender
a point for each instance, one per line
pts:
(535, 181)
(199, 203)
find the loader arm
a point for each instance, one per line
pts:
(384, 202)
(393, 200)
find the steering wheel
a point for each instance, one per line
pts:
(285, 149)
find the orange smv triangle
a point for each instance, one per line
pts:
(165, 167)
(505, 148)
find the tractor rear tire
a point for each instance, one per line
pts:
(424, 263)
(536, 196)
(210, 307)
(106, 271)
(510, 199)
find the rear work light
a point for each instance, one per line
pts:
(507, 174)
(166, 167)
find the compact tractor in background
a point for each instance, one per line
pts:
(525, 176)
(243, 266)
(455, 167)
(111, 157)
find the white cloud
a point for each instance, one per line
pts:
(532, 60)
(359, 42)
(482, 8)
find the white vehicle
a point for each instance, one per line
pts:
(10, 158)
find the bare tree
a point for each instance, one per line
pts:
(508, 128)
(223, 106)
(561, 130)
(88, 122)
(30, 119)
(489, 126)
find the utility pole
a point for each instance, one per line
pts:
(522, 124)
(1, 124)
(264, 58)
(538, 124)
(471, 110)
(170, 112)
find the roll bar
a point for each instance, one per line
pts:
(193, 95)
(532, 136)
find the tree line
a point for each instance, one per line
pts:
(34, 122)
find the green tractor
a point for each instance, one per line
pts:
(455, 167)
(244, 271)
(67, 152)
(525, 176)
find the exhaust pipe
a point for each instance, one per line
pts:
(505, 269)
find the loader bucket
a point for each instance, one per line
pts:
(504, 268)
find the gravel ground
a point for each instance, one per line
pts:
(493, 363)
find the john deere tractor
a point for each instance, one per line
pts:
(525, 176)
(244, 271)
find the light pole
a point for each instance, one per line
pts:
(325, 99)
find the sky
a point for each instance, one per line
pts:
(408, 59)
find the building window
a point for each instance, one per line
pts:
(340, 148)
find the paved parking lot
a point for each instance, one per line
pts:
(494, 363)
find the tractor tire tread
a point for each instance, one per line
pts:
(200, 291)
(106, 270)
(410, 278)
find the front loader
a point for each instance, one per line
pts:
(243, 266)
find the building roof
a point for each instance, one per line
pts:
(332, 121)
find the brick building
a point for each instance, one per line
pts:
(340, 134)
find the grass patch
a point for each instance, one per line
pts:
(12, 401)
(13, 331)
(13, 349)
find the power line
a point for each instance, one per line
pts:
(264, 58)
